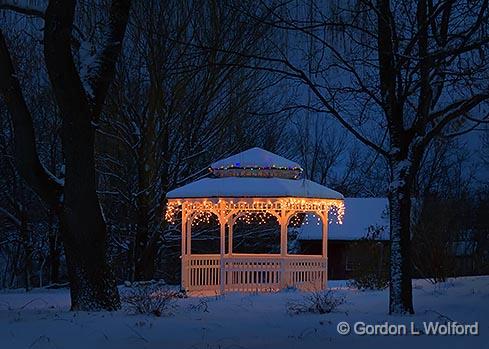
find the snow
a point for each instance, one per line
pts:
(255, 158)
(40, 319)
(360, 215)
(236, 187)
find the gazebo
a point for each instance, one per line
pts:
(252, 182)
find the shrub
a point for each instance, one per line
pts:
(319, 302)
(149, 299)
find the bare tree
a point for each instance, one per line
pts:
(330, 156)
(80, 99)
(173, 110)
(396, 75)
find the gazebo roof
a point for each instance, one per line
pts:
(255, 158)
(247, 187)
(251, 184)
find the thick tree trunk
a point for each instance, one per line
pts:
(92, 284)
(83, 225)
(83, 228)
(400, 295)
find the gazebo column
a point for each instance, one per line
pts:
(230, 235)
(184, 250)
(189, 234)
(222, 224)
(283, 236)
(186, 246)
(324, 218)
(284, 219)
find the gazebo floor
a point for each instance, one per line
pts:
(208, 274)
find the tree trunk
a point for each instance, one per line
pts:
(145, 264)
(82, 223)
(144, 260)
(143, 267)
(400, 295)
(54, 253)
(92, 284)
(28, 250)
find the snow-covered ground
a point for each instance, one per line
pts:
(40, 319)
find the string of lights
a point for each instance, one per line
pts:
(257, 211)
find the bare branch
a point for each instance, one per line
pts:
(103, 71)
(450, 113)
(10, 216)
(22, 8)
(26, 158)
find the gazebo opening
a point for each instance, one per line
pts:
(254, 198)
(205, 234)
(311, 220)
(256, 232)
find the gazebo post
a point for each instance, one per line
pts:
(324, 218)
(283, 249)
(230, 235)
(189, 234)
(283, 236)
(184, 252)
(222, 224)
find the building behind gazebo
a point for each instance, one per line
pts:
(252, 182)
(366, 221)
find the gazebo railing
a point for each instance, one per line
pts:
(253, 272)
(201, 272)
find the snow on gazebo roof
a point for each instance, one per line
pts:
(247, 187)
(255, 158)
(254, 173)
(256, 162)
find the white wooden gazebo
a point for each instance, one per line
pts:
(254, 181)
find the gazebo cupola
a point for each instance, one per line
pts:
(253, 181)
(256, 162)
